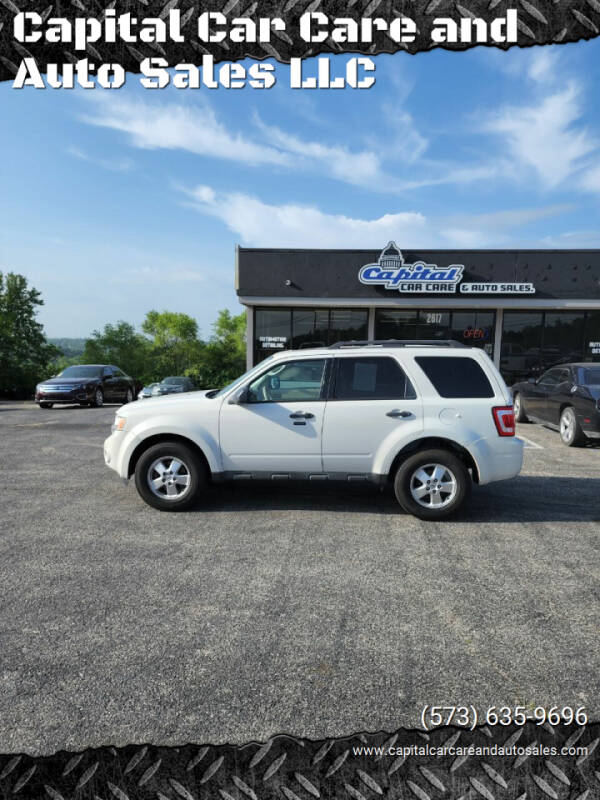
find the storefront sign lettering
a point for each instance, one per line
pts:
(392, 272)
(497, 288)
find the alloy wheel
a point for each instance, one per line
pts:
(169, 478)
(567, 425)
(433, 486)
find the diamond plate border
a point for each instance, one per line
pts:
(540, 22)
(296, 769)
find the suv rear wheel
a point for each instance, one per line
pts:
(169, 476)
(432, 484)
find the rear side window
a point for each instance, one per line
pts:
(456, 377)
(371, 378)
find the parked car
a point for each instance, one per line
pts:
(147, 391)
(86, 384)
(566, 398)
(173, 385)
(427, 418)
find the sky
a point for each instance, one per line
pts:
(117, 202)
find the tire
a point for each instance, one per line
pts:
(46, 405)
(155, 464)
(520, 415)
(570, 430)
(128, 397)
(98, 400)
(410, 482)
(83, 404)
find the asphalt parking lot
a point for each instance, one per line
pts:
(270, 610)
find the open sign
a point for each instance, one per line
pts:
(479, 334)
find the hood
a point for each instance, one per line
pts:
(67, 381)
(169, 401)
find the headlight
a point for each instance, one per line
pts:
(118, 424)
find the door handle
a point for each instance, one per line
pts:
(397, 413)
(301, 415)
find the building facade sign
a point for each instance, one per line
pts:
(393, 273)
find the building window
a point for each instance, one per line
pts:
(347, 324)
(591, 346)
(310, 327)
(272, 331)
(433, 324)
(299, 328)
(396, 324)
(473, 328)
(532, 342)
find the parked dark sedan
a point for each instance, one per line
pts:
(566, 397)
(173, 385)
(86, 384)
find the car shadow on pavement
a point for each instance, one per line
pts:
(527, 498)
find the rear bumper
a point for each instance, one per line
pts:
(497, 459)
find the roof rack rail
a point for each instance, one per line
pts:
(397, 343)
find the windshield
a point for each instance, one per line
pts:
(238, 381)
(590, 376)
(173, 381)
(80, 372)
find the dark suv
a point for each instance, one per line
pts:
(86, 384)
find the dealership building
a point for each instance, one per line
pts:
(528, 309)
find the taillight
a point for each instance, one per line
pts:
(504, 417)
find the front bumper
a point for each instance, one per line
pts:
(590, 424)
(74, 395)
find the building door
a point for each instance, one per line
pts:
(475, 329)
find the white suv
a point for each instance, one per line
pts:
(427, 417)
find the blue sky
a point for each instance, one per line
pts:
(116, 202)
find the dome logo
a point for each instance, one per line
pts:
(392, 272)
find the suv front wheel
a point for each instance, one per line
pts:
(169, 476)
(432, 484)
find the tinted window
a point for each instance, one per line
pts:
(107, 372)
(118, 372)
(371, 378)
(589, 375)
(80, 372)
(456, 377)
(551, 378)
(289, 382)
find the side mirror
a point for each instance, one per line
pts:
(239, 397)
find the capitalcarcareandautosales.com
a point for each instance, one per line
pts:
(468, 750)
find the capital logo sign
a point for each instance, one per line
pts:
(392, 272)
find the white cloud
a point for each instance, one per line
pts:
(114, 165)
(174, 126)
(543, 64)
(362, 168)
(544, 138)
(261, 224)
(290, 225)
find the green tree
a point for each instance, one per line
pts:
(25, 355)
(120, 345)
(223, 358)
(174, 342)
